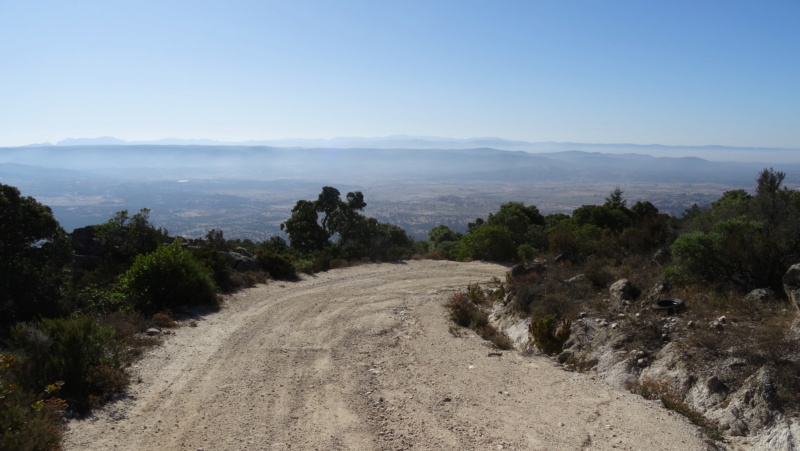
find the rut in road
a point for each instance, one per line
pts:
(361, 358)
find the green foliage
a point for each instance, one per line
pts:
(276, 244)
(303, 228)
(309, 232)
(601, 216)
(35, 254)
(277, 265)
(466, 311)
(387, 242)
(695, 257)
(215, 238)
(448, 249)
(750, 239)
(167, 278)
(126, 236)
(615, 201)
(562, 238)
(28, 422)
(650, 230)
(525, 224)
(554, 219)
(441, 234)
(99, 299)
(314, 223)
(214, 263)
(71, 350)
(548, 335)
(489, 242)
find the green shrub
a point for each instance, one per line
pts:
(215, 264)
(466, 311)
(167, 278)
(70, 350)
(28, 422)
(489, 242)
(448, 249)
(526, 252)
(476, 294)
(277, 265)
(548, 336)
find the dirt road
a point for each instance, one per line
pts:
(361, 358)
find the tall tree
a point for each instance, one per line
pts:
(314, 223)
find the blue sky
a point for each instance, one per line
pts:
(667, 72)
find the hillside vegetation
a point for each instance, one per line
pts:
(75, 310)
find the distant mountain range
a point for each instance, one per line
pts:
(710, 152)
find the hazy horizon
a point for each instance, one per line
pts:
(765, 155)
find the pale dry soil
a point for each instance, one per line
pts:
(361, 358)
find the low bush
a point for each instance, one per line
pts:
(548, 335)
(128, 328)
(304, 265)
(466, 313)
(28, 422)
(476, 294)
(70, 350)
(526, 252)
(166, 279)
(277, 265)
(210, 259)
(497, 337)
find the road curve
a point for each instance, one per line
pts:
(361, 359)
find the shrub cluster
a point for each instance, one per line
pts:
(83, 354)
(278, 266)
(166, 279)
(28, 422)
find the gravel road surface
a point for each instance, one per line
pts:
(361, 359)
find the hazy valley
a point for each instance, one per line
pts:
(248, 191)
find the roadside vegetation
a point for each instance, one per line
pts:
(605, 265)
(76, 309)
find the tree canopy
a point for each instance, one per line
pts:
(35, 254)
(331, 223)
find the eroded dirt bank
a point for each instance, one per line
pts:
(361, 358)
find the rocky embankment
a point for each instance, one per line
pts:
(608, 344)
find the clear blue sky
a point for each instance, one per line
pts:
(605, 71)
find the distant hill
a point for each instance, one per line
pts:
(148, 162)
(709, 152)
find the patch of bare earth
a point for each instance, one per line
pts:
(361, 358)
